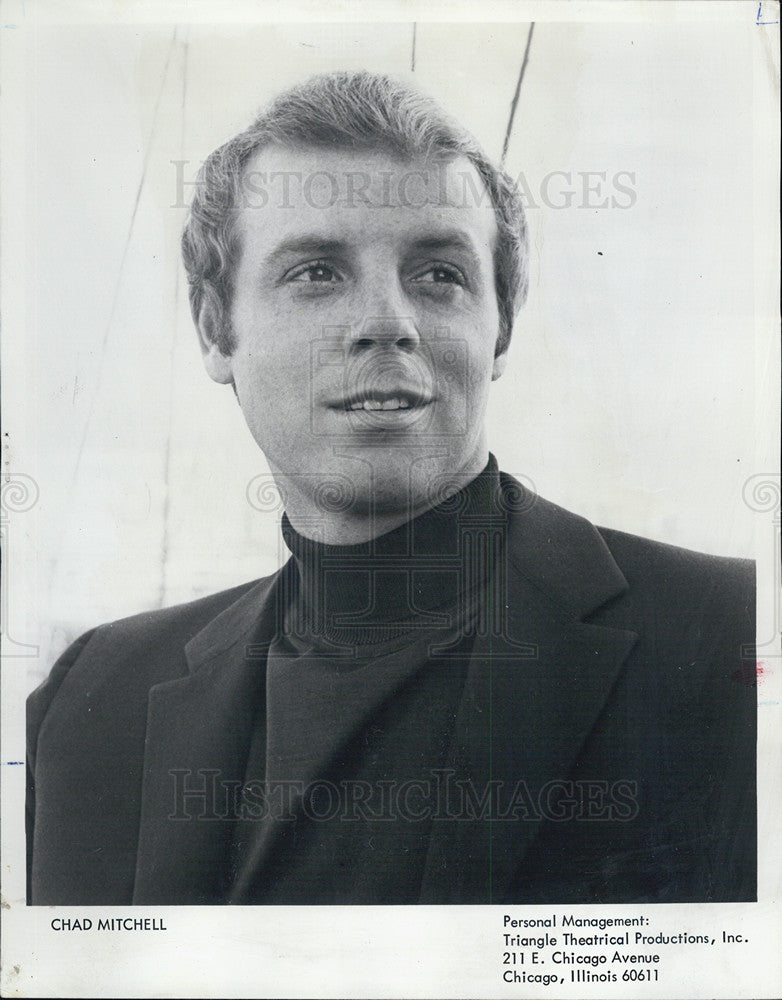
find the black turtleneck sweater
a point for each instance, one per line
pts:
(363, 684)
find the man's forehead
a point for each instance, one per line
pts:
(377, 185)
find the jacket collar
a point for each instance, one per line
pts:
(542, 671)
(534, 689)
(198, 735)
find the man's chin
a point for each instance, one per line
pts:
(364, 495)
(403, 493)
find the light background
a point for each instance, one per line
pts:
(629, 393)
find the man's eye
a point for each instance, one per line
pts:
(315, 273)
(444, 274)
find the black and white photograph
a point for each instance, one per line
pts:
(390, 500)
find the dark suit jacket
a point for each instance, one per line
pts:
(619, 691)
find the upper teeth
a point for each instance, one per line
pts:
(375, 404)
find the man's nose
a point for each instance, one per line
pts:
(399, 332)
(385, 320)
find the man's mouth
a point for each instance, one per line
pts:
(375, 400)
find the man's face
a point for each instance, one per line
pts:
(365, 320)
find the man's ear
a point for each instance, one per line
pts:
(500, 362)
(218, 365)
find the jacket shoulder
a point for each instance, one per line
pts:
(679, 572)
(147, 647)
(183, 620)
(687, 607)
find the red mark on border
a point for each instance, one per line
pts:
(751, 675)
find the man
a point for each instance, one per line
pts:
(454, 691)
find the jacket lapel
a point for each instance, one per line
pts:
(533, 692)
(198, 732)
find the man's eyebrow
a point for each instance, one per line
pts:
(318, 246)
(311, 244)
(448, 241)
